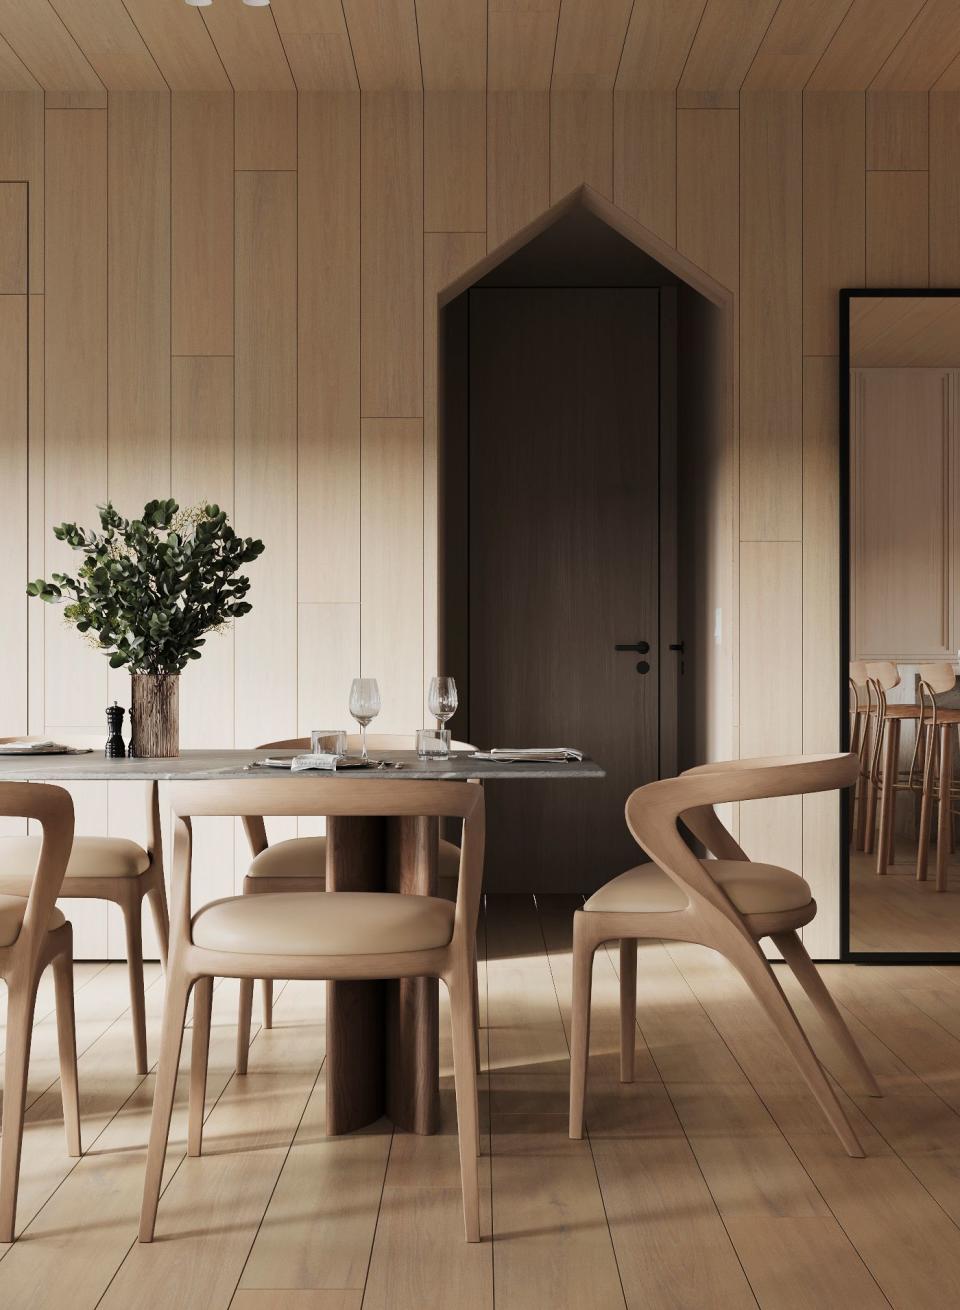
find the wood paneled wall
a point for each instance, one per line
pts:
(235, 299)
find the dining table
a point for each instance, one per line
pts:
(382, 1038)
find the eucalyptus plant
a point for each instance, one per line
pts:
(149, 589)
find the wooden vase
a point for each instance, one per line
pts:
(155, 715)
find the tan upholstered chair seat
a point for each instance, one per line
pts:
(91, 857)
(753, 889)
(306, 857)
(12, 910)
(339, 923)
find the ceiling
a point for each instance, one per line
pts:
(706, 50)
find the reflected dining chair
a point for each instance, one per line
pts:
(935, 743)
(340, 935)
(727, 903)
(298, 864)
(860, 721)
(108, 869)
(886, 776)
(33, 934)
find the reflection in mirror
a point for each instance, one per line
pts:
(904, 355)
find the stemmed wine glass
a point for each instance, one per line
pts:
(364, 706)
(442, 700)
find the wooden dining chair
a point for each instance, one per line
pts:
(887, 778)
(108, 869)
(340, 935)
(860, 694)
(33, 934)
(727, 903)
(299, 864)
(938, 723)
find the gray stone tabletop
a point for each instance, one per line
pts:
(197, 766)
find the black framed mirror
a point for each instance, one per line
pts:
(900, 623)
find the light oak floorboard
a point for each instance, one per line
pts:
(711, 1180)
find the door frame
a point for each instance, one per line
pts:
(723, 705)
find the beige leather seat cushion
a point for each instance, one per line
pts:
(306, 857)
(339, 923)
(12, 910)
(753, 888)
(91, 857)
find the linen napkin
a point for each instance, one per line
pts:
(44, 747)
(532, 755)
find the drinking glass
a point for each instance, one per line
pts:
(328, 741)
(364, 706)
(442, 700)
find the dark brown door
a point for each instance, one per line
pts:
(563, 567)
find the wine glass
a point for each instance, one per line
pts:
(442, 700)
(364, 706)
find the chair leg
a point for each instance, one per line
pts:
(67, 1043)
(157, 896)
(807, 975)
(886, 798)
(762, 981)
(244, 1019)
(267, 985)
(171, 1040)
(583, 952)
(475, 997)
(944, 816)
(199, 1058)
(926, 805)
(132, 922)
(460, 988)
(20, 1006)
(628, 1008)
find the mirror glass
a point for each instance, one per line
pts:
(904, 615)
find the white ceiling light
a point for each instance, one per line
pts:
(254, 4)
(199, 4)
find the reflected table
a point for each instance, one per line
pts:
(382, 1037)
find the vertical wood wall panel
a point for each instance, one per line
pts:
(328, 343)
(38, 615)
(391, 524)
(581, 142)
(897, 130)
(821, 640)
(455, 161)
(14, 456)
(771, 316)
(897, 228)
(645, 159)
(76, 385)
(833, 210)
(139, 298)
(266, 450)
(21, 160)
(391, 261)
(265, 129)
(771, 672)
(202, 223)
(944, 189)
(518, 161)
(708, 170)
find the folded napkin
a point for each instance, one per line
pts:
(532, 754)
(328, 763)
(45, 747)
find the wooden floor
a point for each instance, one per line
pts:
(897, 913)
(710, 1183)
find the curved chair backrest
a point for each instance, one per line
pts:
(937, 678)
(399, 741)
(885, 673)
(329, 797)
(655, 811)
(52, 807)
(858, 673)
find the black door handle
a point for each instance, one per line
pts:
(641, 647)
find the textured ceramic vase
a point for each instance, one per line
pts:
(155, 715)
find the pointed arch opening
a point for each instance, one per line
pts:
(585, 493)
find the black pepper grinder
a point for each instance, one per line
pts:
(115, 749)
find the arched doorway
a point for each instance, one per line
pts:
(585, 525)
